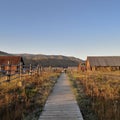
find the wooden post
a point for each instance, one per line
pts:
(30, 71)
(38, 69)
(0, 73)
(20, 71)
(0, 76)
(8, 71)
(41, 69)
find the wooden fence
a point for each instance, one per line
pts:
(9, 73)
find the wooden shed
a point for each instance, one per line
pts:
(82, 66)
(94, 63)
(10, 63)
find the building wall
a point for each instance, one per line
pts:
(9, 68)
(106, 68)
(102, 61)
(100, 68)
(82, 67)
(88, 65)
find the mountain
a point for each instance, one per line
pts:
(4, 53)
(48, 60)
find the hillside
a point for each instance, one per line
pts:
(48, 60)
(3, 53)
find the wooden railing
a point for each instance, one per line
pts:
(10, 72)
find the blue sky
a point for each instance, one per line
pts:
(77, 28)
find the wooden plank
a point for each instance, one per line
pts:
(61, 104)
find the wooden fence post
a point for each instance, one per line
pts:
(38, 69)
(0, 73)
(30, 71)
(20, 71)
(8, 71)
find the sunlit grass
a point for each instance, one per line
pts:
(25, 98)
(98, 93)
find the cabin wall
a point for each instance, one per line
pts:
(88, 67)
(105, 68)
(10, 68)
(82, 67)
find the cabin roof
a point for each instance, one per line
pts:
(104, 60)
(12, 60)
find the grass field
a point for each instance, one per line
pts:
(98, 94)
(24, 99)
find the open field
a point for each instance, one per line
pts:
(24, 99)
(98, 94)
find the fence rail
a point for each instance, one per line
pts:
(10, 72)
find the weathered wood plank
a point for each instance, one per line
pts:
(61, 104)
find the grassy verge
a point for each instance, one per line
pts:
(83, 100)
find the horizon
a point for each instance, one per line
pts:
(60, 27)
(58, 55)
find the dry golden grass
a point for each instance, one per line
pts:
(102, 90)
(24, 99)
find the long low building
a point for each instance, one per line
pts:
(103, 63)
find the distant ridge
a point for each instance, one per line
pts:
(48, 60)
(4, 53)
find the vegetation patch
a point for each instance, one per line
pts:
(83, 100)
(24, 100)
(98, 95)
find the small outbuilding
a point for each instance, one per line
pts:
(10, 63)
(94, 63)
(82, 66)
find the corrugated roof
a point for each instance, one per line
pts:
(104, 60)
(12, 60)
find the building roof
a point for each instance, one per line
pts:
(12, 60)
(104, 60)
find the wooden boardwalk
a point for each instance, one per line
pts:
(61, 104)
